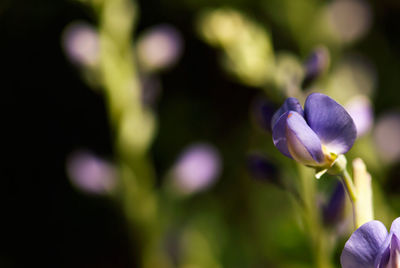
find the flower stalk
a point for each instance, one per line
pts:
(339, 168)
(318, 236)
(133, 126)
(359, 190)
(348, 182)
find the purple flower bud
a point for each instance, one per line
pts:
(81, 43)
(371, 246)
(315, 65)
(90, 173)
(315, 136)
(262, 169)
(334, 209)
(263, 112)
(159, 47)
(197, 168)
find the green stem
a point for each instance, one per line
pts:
(339, 168)
(312, 219)
(349, 185)
(348, 182)
(359, 189)
(133, 127)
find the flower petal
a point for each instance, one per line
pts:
(394, 260)
(388, 254)
(382, 259)
(333, 125)
(395, 228)
(302, 142)
(364, 245)
(279, 135)
(290, 104)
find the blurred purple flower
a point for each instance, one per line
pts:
(371, 246)
(262, 169)
(315, 136)
(81, 43)
(315, 65)
(333, 210)
(349, 19)
(360, 109)
(159, 47)
(387, 137)
(197, 168)
(90, 173)
(263, 111)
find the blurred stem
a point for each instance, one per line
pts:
(319, 240)
(133, 127)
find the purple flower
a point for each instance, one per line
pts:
(372, 246)
(197, 168)
(315, 65)
(90, 173)
(159, 47)
(262, 111)
(360, 109)
(333, 210)
(315, 136)
(348, 19)
(386, 136)
(262, 169)
(81, 43)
